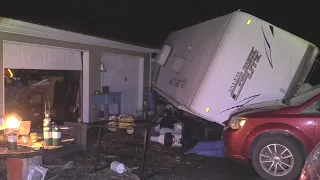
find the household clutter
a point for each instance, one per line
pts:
(170, 127)
(176, 131)
(37, 103)
(19, 143)
(173, 129)
(27, 91)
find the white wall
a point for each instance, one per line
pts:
(124, 74)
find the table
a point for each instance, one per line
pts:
(18, 160)
(142, 124)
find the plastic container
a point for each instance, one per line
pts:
(118, 167)
(12, 141)
(33, 137)
(154, 138)
(130, 130)
(47, 136)
(56, 135)
(159, 139)
(47, 130)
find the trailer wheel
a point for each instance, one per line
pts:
(277, 157)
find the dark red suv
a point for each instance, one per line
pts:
(276, 139)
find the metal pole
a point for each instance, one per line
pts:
(145, 150)
(145, 141)
(98, 145)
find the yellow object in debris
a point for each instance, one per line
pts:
(34, 137)
(125, 122)
(10, 72)
(37, 146)
(126, 125)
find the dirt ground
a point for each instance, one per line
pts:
(170, 163)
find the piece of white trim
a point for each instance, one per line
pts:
(85, 88)
(150, 72)
(3, 88)
(41, 45)
(141, 83)
(29, 29)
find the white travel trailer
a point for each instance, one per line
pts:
(215, 67)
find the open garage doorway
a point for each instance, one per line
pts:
(27, 91)
(60, 67)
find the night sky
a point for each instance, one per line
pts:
(148, 23)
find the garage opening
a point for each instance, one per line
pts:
(40, 60)
(27, 91)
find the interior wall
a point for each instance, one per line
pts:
(94, 58)
(123, 75)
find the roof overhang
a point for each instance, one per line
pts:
(29, 29)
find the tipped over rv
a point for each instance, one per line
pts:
(215, 67)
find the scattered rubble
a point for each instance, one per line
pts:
(171, 163)
(75, 171)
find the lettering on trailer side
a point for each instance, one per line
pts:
(178, 83)
(248, 70)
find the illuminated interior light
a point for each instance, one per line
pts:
(208, 109)
(249, 21)
(10, 72)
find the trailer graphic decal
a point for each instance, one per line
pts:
(243, 102)
(269, 47)
(243, 76)
(271, 29)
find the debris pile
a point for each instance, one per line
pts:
(168, 136)
(122, 121)
(74, 170)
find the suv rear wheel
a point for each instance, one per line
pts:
(277, 157)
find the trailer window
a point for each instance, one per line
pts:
(313, 76)
(178, 63)
(312, 109)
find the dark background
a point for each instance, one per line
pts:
(148, 23)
